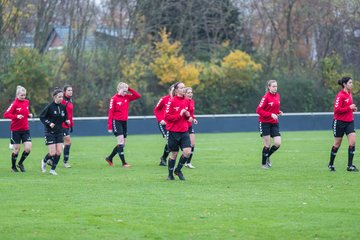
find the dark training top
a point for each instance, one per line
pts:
(53, 113)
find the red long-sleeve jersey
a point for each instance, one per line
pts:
(119, 106)
(191, 110)
(342, 110)
(160, 108)
(67, 102)
(174, 121)
(269, 104)
(16, 108)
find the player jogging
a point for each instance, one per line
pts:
(177, 116)
(268, 111)
(19, 114)
(53, 116)
(343, 123)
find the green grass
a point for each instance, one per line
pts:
(228, 195)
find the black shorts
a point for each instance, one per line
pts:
(340, 128)
(163, 130)
(119, 128)
(191, 130)
(66, 132)
(53, 138)
(178, 140)
(18, 137)
(267, 129)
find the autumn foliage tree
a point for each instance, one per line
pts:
(230, 86)
(332, 70)
(169, 64)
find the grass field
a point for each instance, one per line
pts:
(228, 195)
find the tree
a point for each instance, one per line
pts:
(10, 14)
(31, 70)
(44, 22)
(169, 65)
(231, 86)
(200, 25)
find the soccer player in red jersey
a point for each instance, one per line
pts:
(177, 116)
(19, 114)
(343, 123)
(189, 96)
(67, 128)
(268, 111)
(159, 112)
(117, 119)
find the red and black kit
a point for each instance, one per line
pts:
(159, 112)
(19, 127)
(176, 124)
(343, 116)
(67, 102)
(117, 121)
(191, 111)
(269, 104)
(119, 111)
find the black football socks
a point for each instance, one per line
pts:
(265, 155)
(23, 157)
(333, 155)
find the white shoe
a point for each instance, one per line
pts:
(43, 166)
(189, 165)
(52, 172)
(265, 166)
(67, 165)
(268, 162)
